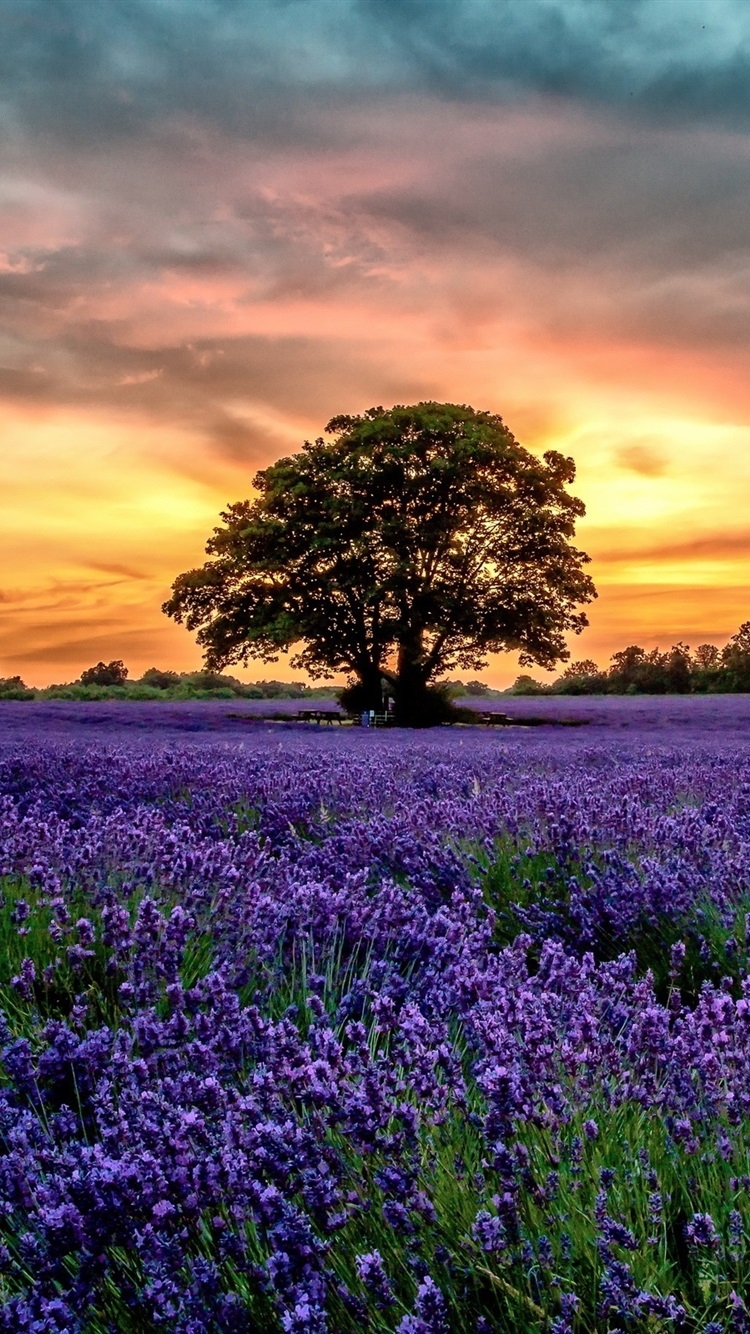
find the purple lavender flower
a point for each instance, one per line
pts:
(429, 1313)
(701, 1231)
(371, 1271)
(489, 1232)
(24, 981)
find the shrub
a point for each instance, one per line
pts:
(280, 689)
(160, 680)
(206, 681)
(12, 687)
(248, 691)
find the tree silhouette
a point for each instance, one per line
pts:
(416, 541)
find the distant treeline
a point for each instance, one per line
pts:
(110, 680)
(633, 671)
(637, 671)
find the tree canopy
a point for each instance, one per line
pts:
(639, 671)
(417, 540)
(105, 674)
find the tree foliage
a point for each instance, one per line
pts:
(679, 671)
(113, 673)
(735, 659)
(651, 672)
(12, 687)
(160, 680)
(414, 542)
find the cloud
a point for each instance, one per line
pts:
(17, 264)
(718, 545)
(142, 377)
(241, 441)
(221, 223)
(126, 571)
(113, 69)
(194, 288)
(643, 457)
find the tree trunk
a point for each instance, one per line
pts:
(365, 693)
(372, 689)
(413, 700)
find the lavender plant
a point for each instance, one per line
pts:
(354, 1033)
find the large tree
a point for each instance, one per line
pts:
(417, 540)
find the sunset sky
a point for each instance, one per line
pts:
(224, 221)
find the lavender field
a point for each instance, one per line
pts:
(323, 1029)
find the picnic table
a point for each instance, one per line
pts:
(319, 716)
(529, 720)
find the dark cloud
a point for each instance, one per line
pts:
(189, 385)
(144, 139)
(113, 67)
(601, 190)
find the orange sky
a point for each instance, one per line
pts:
(191, 287)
